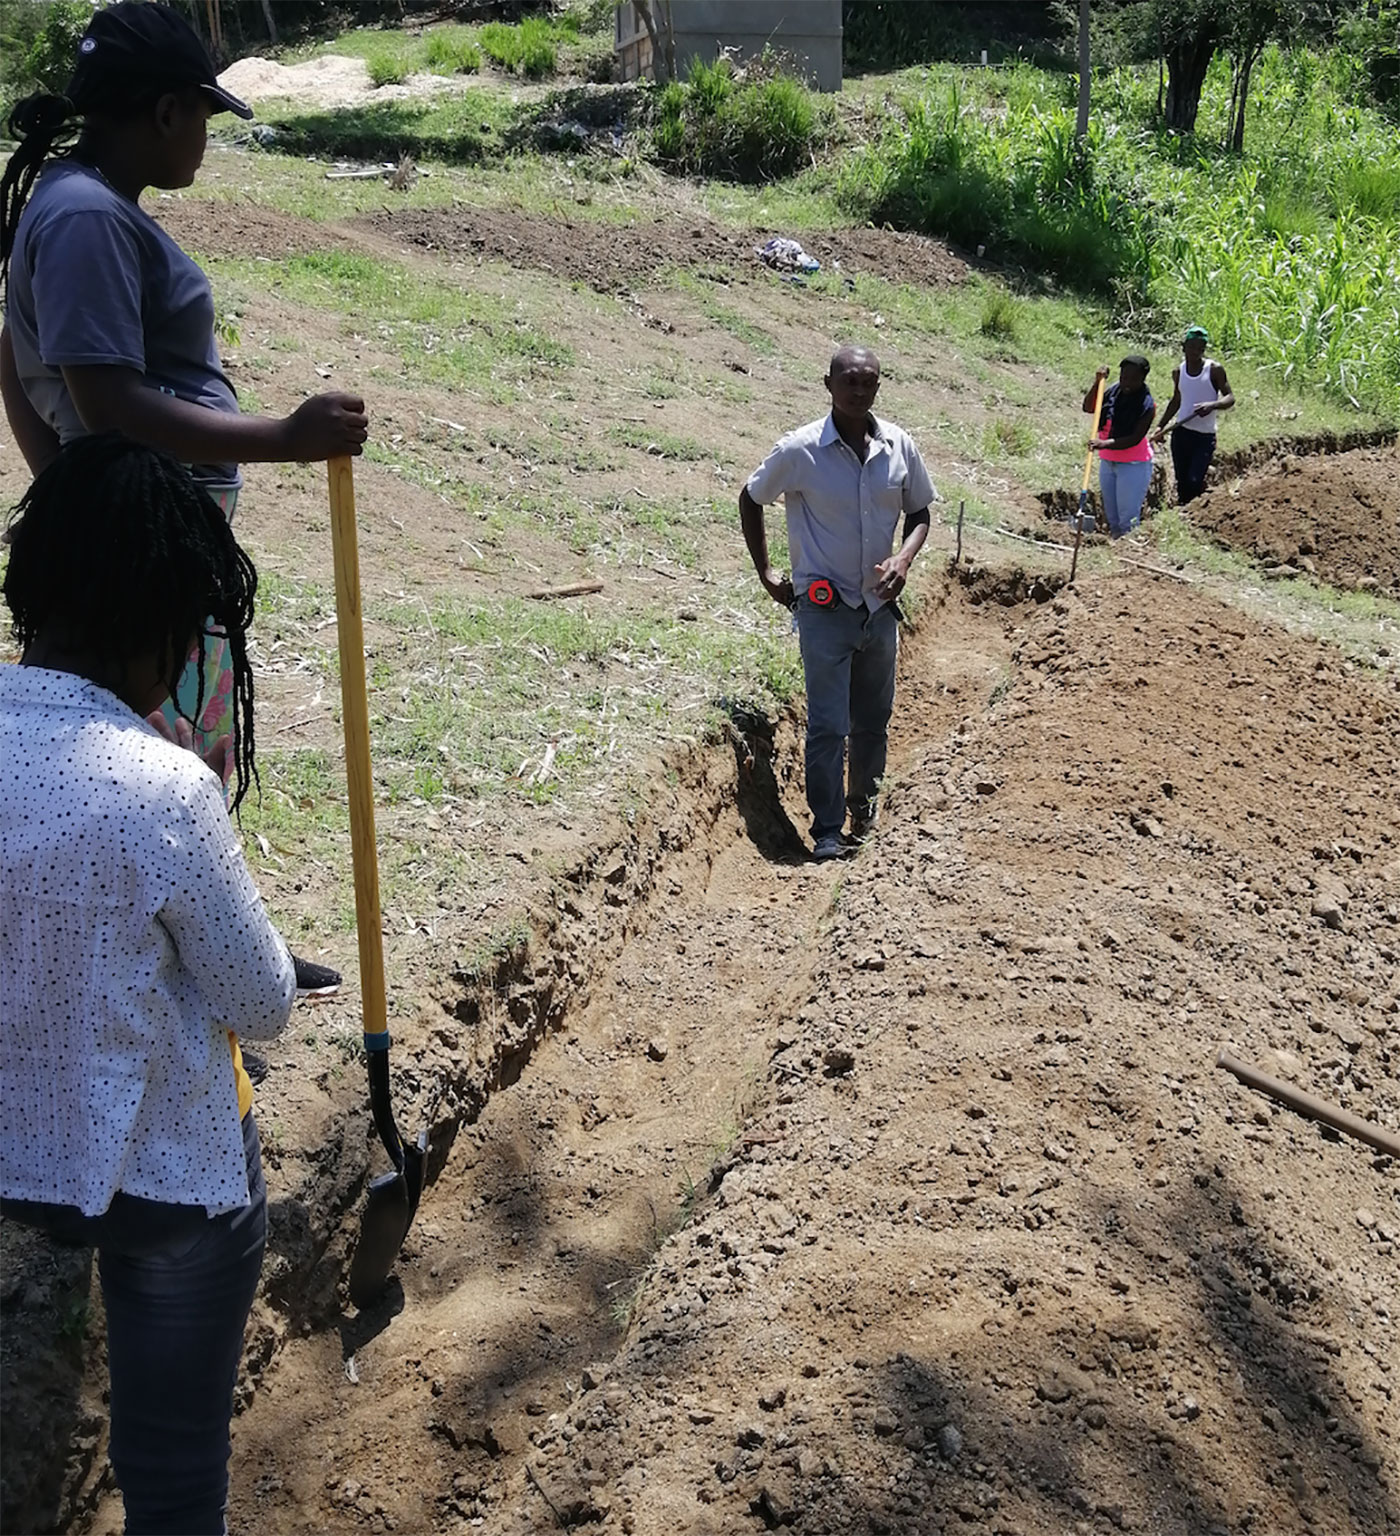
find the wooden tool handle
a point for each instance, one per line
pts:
(359, 777)
(1093, 432)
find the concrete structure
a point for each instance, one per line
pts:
(808, 31)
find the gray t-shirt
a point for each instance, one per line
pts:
(95, 280)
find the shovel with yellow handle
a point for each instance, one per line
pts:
(1082, 513)
(393, 1196)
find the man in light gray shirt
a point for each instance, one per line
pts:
(845, 481)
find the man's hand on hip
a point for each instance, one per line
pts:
(778, 587)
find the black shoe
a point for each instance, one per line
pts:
(315, 980)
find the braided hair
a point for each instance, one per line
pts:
(118, 553)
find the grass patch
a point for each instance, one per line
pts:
(664, 445)
(463, 128)
(444, 334)
(452, 51)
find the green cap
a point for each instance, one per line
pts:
(1197, 333)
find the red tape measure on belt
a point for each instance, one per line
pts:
(821, 594)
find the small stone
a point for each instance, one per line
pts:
(593, 1376)
(838, 1060)
(1190, 1407)
(772, 1399)
(1055, 1152)
(950, 1442)
(775, 1506)
(1095, 1416)
(1365, 1219)
(885, 1423)
(809, 1464)
(657, 1049)
(1329, 909)
(750, 1437)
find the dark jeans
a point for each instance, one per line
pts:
(177, 1286)
(848, 662)
(1191, 456)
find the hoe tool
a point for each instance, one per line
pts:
(1088, 476)
(393, 1196)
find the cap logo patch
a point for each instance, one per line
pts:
(88, 45)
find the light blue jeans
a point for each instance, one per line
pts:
(848, 663)
(1124, 489)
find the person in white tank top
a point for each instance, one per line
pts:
(1199, 390)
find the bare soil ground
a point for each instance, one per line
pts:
(612, 257)
(1333, 516)
(900, 1196)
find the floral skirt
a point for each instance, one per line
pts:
(215, 707)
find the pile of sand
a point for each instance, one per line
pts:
(325, 82)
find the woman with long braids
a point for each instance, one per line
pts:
(132, 946)
(109, 325)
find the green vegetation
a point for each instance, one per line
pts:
(1287, 253)
(530, 48)
(38, 43)
(451, 51)
(764, 128)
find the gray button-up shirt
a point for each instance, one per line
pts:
(842, 515)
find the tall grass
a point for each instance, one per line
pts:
(1290, 253)
(530, 48)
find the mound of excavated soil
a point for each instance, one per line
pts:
(1336, 516)
(610, 257)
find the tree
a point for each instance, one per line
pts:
(663, 54)
(1081, 122)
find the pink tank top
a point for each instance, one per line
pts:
(1140, 453)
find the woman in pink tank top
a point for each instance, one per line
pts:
(1125, 455)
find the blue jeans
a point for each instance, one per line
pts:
(848, 662)
(177, 1286)
(1192, 453)
(1124, 489)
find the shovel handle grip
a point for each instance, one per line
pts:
(354, 700)
(1089, 456)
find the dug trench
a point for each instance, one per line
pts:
(900, 1196)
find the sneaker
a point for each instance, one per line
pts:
(830, 847)
(862, 827)
(315, 980)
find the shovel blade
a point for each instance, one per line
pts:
(388, 1211)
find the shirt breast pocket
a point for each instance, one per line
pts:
(885, 479)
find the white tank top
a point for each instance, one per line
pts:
(1194, 392)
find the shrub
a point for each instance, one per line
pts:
(999, 315)
(717, 125)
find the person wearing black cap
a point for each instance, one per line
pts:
(1199, 390)
(1125, 455)
(109, 325)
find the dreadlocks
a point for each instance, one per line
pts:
(118, 553)
(42, 126)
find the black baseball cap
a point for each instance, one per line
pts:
(141, 46)
(1136, 360)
